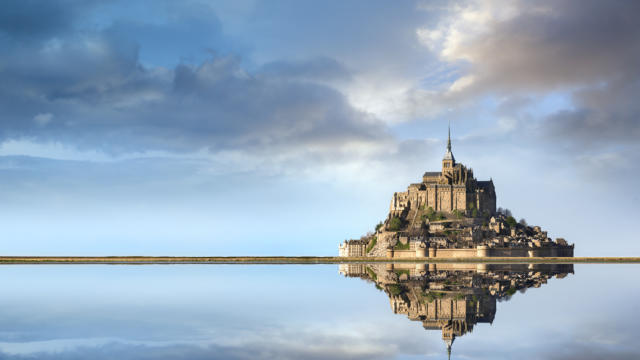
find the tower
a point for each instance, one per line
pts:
(448, 162)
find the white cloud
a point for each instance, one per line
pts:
(43, 119)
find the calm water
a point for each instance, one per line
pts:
(314, 312)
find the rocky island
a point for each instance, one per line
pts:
(451, 214)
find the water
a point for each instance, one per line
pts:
(313, 312)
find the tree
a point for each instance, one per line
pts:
(379, 226)
(395, 224)
(511, 221)
(523, 222)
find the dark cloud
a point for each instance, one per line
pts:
(559, 43)
(588, 49)
(31, 18)
(94, 93)
(608, 114)
(321, 68)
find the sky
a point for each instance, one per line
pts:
(284, 127)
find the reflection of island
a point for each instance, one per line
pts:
(451, 214)
(452, 297)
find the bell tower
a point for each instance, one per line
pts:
(448, 162)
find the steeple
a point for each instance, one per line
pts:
(448, 161)
(449, 139)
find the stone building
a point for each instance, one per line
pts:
(453, 188)
(352, 248)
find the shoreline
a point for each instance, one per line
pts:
(169, 260)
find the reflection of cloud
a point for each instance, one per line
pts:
(291, 345)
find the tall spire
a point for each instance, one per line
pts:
(449, 139)
(448, 156)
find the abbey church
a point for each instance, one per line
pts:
(453, 188)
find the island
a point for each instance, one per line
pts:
(451, 214)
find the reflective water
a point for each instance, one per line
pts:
(313, 312)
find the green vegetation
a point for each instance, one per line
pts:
(401, 246)
(511, 221)
(372, 274)
(460, 297)
(372, 243)
(395, 224)
(432, 215)
(395, 289)
(379, 225)
(511, 291)
(457, 213)
(474, 213)
(400, 272)
(432, 295)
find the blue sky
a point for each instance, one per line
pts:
(283, 127)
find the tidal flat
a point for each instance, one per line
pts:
(7, 260)
(327, 311)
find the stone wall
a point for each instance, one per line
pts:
(485, 252)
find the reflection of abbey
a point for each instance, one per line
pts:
(454, 188)
(450, 214)
(452, 298)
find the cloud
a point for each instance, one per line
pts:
(586, 49)
(105, 99)
(28, 18)
(43, 119)
(542, 45)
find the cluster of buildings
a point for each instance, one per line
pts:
(452, 214)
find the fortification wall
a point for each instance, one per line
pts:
(485, 252)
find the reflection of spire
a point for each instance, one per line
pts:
(449, 342)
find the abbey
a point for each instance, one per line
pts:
(453, 188)
(450, 214)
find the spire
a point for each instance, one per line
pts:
(449, 139)
(449, 155)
